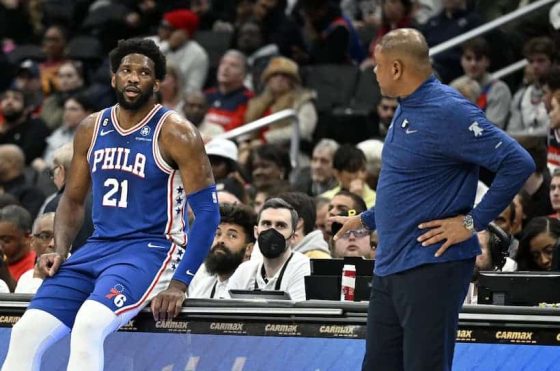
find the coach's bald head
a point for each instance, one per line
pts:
(403, 62)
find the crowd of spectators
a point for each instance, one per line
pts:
(233, 62)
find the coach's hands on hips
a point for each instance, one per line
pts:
(167, 304)
(348, 223)
(49, 263)
(452, 230)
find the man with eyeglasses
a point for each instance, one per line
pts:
(41, 243)
(354, 242)
(232, 245)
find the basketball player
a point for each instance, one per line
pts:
(143, 163)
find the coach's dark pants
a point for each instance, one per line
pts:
(413, 317)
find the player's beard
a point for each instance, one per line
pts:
(136, 104)
(225, 262)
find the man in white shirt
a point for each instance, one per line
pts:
(232, 244)
(281, 268)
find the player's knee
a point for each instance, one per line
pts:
(24, 330)
(86, 326)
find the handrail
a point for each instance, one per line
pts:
(488, 26)
(267, 121)
(514, 67)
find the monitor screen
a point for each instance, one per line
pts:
(519, 288)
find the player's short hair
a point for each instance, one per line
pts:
(145, 47)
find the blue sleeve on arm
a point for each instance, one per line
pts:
(512, 173)
(368, 218)
(204, 204)
(477, 141)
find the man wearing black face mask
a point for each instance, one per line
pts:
(281, 268)
(18, 128)
(232, 245)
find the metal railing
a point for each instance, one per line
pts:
(488, 26)
(271, 120)
(514, 67)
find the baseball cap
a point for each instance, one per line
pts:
(182, 19)
(29, 67)
(222, 148)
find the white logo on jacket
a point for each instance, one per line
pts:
(477, 130)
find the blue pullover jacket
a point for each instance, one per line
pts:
(431, 158)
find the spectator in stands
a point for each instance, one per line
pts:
(307, 239)
(341, 204)
(553, 148)
(41, 242)
(506, 221)
(228, 100)
(70, 82)
(283, 90)
(394, 14)
(227, 197)
(15, 235)
(385, 111)
(28, 80)
(170, 89)
(469, 89)
(555, 194)
(454, 20)
(280, 29)
(195, 107)
(270, 166)
(55, 40)
(182, 50)
(319, 177)
(333, 38)
(551, 84)
(321, 209)
(494, 97)
(19, 128)
(281, 268)
(528, 110)
(355, 242)
(349, 165)
(15, 25)
(538, 244)
(76, 108)
(222, 154)
(59, 171)
(232, 243)
(372, 149)
(269, 192)
(536, 200)
(13, 181)
(252, 42)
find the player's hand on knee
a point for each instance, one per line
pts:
(49, 263)
(451, 230)
(168, 303)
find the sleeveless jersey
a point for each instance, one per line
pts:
(136, 194)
